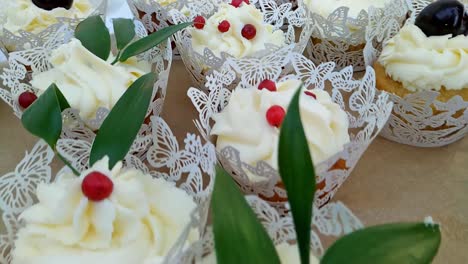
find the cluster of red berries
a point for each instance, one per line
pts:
(275, 114)
(248, 31)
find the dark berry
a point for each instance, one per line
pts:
(52, 4)
(443, 17)
(26, 99)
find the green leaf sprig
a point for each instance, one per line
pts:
(95, 37)
(415, 243)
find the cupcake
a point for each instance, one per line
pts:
(238, 31)
(341, 117)
(343, 28)
(104, 216)
(424, 68)
(91, 84)
(37, 16)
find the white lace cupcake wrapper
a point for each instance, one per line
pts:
(282, 16)
(23, 40)
(367, 109)
(419, 119)
(190, 168)
(333, 40)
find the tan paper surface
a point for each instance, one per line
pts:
(392, 182)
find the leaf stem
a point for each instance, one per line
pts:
(67, 163)
(116, 58)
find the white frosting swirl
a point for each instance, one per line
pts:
(87, 81)
(138, 223)
(424, 63)
(243, 125)
(232, 41)
(288, 254)
(25, 15)
(325, 8)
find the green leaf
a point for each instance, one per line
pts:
(151, 41)
(298, 175)
(94, 35)
(123, 123)
(387, 244)
(124, 31)
(44, 117)
(239, 236)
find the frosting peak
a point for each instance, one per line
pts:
(426, 63)
(87, 81)
(243, 124)
(134, 224)
(232, 41)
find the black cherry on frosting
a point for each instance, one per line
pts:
(443, 17)
(97, 186)
(52, 4)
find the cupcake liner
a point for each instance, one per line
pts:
(332, 220)
(282, 17)
(22, 64)
(163, 160)
(341, 38)
(367, 109)
(155, 16)
(24, 40)
(420, 119)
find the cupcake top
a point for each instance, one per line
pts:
(288, 254)
(250, 122)
(424, 63)
(25, 15)
(238, 31)
(325, 8)
(104, 216)
(87, 81)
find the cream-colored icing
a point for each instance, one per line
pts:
(288, 254)
(424, 63)
(243, 125)
(325, 8)
(232, 41)
(87, 81)
(25, 15)
(138, 223)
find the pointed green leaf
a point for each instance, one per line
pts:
(298, 175)
(94, 35)
(120, 128)
(387, 244)
(124, 31)
(44, 117)
(151, 41)
(238, 234)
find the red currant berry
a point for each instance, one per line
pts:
(275, 115)
(97, 186)
(199, 22)
(249, 31)
(26, 99)
(311, 94)
(236, 3)
(247, 2)
(267, 84)
(224, 26)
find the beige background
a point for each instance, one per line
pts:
(392, 182)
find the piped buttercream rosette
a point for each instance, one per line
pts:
(240, 30)
(341, 117)
(32, 28)
(342, 28)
